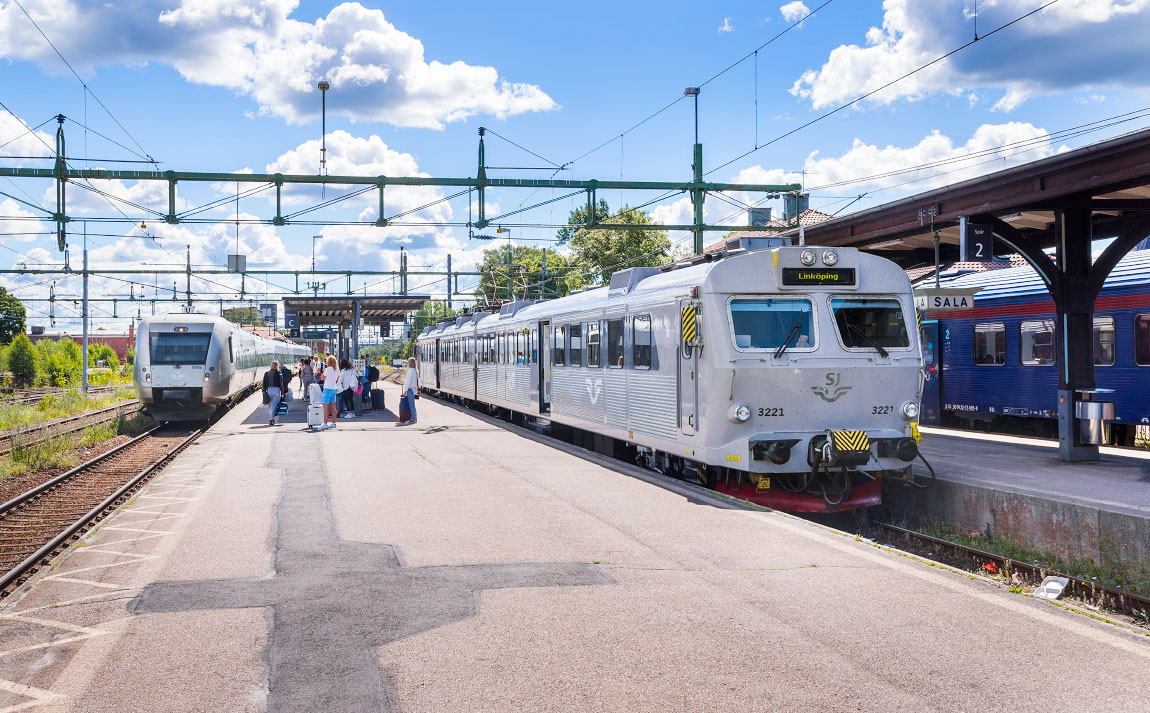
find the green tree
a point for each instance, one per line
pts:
(130, 356)
(12, 316)
(598, 252)
(22, 359)
(524, 278)
(579, 217)
(97, 352)
(244, 315)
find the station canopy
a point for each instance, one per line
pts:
(332, 310)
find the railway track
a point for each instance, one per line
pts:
(1092, 592)
(62, 426)
(36, 526)
(29, 397)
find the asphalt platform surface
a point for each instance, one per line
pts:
(459, 565)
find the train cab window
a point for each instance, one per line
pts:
(558, 351)
(767, 323)
(1104, 347)
(989, 344)
(866, 322)
(615, 344)
(231, 356)
(575, 337)
(1036, 342)
(641, 341)
(180, 348)
(534, 346)
(1142, 339)
(593, 344)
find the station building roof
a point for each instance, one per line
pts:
(340, 309)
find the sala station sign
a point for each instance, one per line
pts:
(944, 299)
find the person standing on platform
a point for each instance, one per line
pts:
(330, 393)
(306, 377)
(288, 375)
(347, 383)
(273, 389)
(410, 386)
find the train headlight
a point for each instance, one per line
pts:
(740, 413)
(830, 257)
(808, 257)
(910, 410)
(207, 378)
(148, 378)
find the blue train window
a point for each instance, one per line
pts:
(1036, 342)
(1104, 341)
(990, 344)
(1142, 340)
(928, 333)
(641, 341)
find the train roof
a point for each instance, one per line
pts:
(1131, 271)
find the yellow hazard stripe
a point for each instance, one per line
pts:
(850, 440)
(688, 324)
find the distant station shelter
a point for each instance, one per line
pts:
(1049, 211)
(334, 323)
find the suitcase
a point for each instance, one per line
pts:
(314, 415)
(404, 410)
(315, 394)
(377, 399)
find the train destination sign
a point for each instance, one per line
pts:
(818, 276)
(944, 299)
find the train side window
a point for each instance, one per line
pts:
(615, 343)
(491, 348)
(1036, 342)
(1142, 339)
(231, 356)
(534, 346)
(521, 347)
(641, 339)
(593, 344)
(575, 335)
(558, 352)
(1104, 346)
(990, 344)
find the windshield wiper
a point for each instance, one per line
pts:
(868, 340)
(787, 342)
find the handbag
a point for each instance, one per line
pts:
(358, 389)
(267, 399)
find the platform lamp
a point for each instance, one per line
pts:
(694, 92)
(323, 87)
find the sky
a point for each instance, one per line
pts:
(568, 90)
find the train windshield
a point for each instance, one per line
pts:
(866, 322)
(768, 323)
(180, 348)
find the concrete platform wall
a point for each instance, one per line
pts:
(1117, 541)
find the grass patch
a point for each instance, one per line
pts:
(68, 402)
(1085, 569)
(58, 451)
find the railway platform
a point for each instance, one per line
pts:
(1018, 488)
(461, 565)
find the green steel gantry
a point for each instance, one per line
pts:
(61, 173)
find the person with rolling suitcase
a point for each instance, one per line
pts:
(407, 412)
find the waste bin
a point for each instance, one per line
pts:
(1094, 416)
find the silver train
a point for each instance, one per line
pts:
(189, 365)
(792, 369)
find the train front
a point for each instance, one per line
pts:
(814, 371)
(178, 367)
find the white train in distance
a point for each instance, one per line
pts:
(189, 365)
(789, 368)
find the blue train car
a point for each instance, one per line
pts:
(996, 364)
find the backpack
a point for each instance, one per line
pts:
(372, 374)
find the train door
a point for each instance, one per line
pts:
(476, 345)
(438, 353)
(932, 374)
(688, 368)
(545, 367)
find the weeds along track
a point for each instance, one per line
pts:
(30, 397)
(51, 429)
(1092, 592)
(37, 525)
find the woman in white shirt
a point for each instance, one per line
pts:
(347, 383)
(330, 392)
(410, 384)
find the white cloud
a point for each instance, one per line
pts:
(255, 48)
(18, 139)
(726, 26)
(1071, 44)
(793, 11)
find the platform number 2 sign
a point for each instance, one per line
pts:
(978, 243)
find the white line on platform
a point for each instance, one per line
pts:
(1024, 441)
